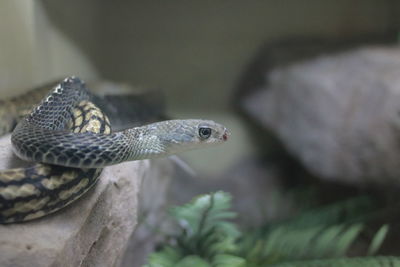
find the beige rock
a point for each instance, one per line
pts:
(93, 231)
(152, 216)
(338, 114)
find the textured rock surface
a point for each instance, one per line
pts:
(151, 217)
(340, 114)
(93, 231)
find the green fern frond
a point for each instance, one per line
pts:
(167, 257)
(348, 211)
(315, 242)
(206, 233)
(345, 262)
(204, 213)
(225, 260)
(193, 261)
(326, 232)
(206, 230)
(207, 238)
(305, 243)
(378, 239)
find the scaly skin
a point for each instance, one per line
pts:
(41, 137)
(33, 192)
(87, 143)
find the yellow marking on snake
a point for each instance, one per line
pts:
(94, 126)
(43, 169)
(56, 201)
(35, 215)
(86, 105)
(67, 193)
(107, 130)
(88, 116)
(77, 113)
(57, 181)
(79, 120)
(12, 175)
(13, 191)
(97, 113)
(23, 206)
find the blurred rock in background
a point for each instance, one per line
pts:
(338, 114)
(288, 51)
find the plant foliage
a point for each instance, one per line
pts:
(318, 237)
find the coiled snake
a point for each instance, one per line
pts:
(71, 140)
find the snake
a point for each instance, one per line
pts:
(69, 140)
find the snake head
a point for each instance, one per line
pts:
(173, 136)
(180, 135)
(210, 132)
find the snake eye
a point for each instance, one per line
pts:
(204, 132)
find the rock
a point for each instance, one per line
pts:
(153, 205)
(339, 114)
(94, 230)
(284, 52)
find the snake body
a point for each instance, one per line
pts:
(72, 140)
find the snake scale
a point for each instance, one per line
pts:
(70, 140)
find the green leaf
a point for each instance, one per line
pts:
(288, 243)
(209, 239)
(324, 232)
(224, 244)
(345, 239)
(225, 260)
(205, 229)
(192, 261)
(348, 211)
(167, 257)
(204, 213)
(345, 262)
(378, 239)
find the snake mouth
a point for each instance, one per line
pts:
(226, 135)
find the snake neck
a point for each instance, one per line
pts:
(143, 144)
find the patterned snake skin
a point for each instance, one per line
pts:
(69, 131)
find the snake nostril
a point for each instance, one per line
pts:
(226, 135)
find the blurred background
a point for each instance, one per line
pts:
(309, 89)
(195, 52)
